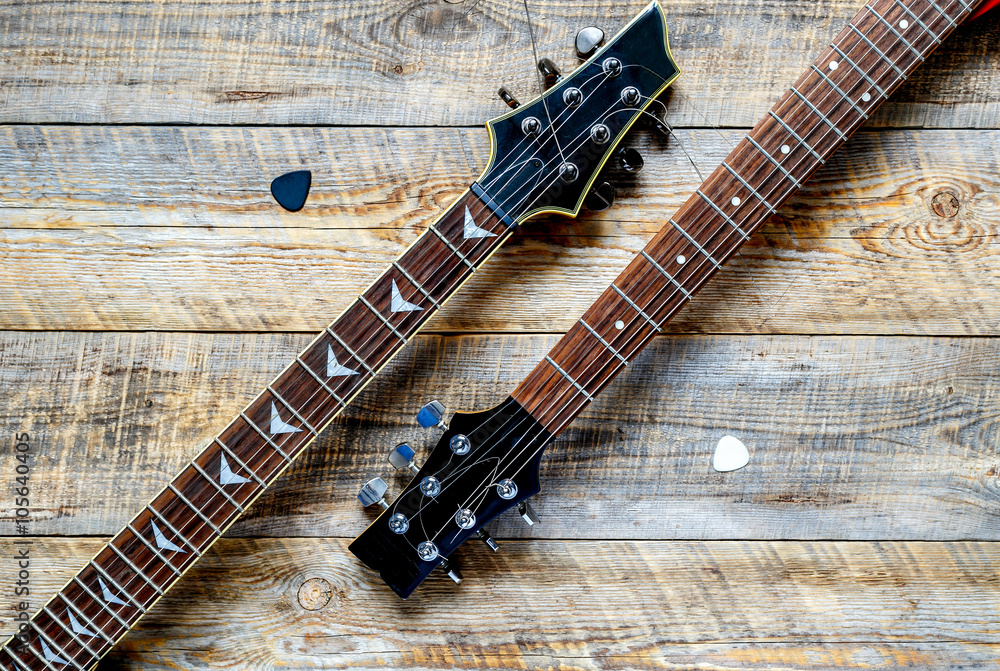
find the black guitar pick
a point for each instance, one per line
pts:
(291, 189)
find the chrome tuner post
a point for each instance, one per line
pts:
(401, 457)
(485, 537)
(451, 571)
(373, 492)
(528, 513)
(432, 414)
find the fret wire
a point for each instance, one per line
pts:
(135, 569)
(48, 639)
(776, 163)
(68, 629)
(840, 91)
(746, 184)
(240, 463)
(40, 656)
(816, 111)
(943, 13)
(453, 248)
(292, 410)
(723, 214)
(173, 530)
(569, 377)
(603, 341)
(100, 603)
(696, 245)
(419, 287)
(215, 484)
(665, 273)
(858, 69)
(154, 550)
(385, 321)
(871, 44)
(114, 583)
(70, 605)
(343, 344)
(190, 505)
(796, 136)
(274, 445)
(902, 39)
(965, 5)
(17, 660)
(635, 307)
(320, 382)
(919, 22)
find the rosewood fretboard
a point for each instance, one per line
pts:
(104, 600)
(852, 77)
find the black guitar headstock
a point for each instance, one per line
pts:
(546, 154)
(484, 463)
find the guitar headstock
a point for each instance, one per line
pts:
(547, 153)
(484, 463)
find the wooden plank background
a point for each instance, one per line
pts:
(149, 286)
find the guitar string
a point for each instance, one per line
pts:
(538, 147)
(203, 525)
(574, 392)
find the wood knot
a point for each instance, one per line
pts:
(315, 593)
(945, 204)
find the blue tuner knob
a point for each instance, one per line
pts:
(431, 414)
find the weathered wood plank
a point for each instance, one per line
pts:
(306, 604)
(854, 438)
(426, 63)
(897, 234)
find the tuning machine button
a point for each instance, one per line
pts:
(485, 537)
(451, 571)
(431, 414)
(600, 197)
(508, 98)
(587, 42)
(630, 160)
(528, 513)
(373, 492)
(401, 457)
(550, 72)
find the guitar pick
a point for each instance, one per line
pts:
(730, 454)
(291, 189)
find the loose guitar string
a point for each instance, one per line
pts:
(574, 392)
(538, 146)
(202, 525)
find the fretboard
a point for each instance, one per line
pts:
(852, 77)
(105, 599)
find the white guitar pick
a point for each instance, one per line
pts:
(730, 454)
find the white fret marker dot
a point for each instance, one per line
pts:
(785, 149)
(904, 24)
(735, 200)
(681, 259)
(866, 96)
(619, 324)
(833, 65)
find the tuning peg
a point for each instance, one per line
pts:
(451, 571)
(587, 42)
(401, 457)
(601, 197)
(485, 537)
(630, 159)
(373, 492)
(508, 98)
(549, 71)
(661, 127)
(528, 513)
(431, 415)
